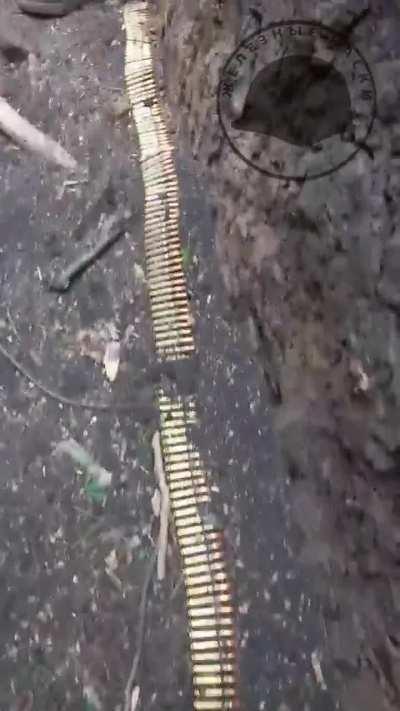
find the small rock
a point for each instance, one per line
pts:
(120, 106)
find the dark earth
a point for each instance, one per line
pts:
(68, 611)
(73, 562)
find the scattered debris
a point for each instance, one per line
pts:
(111, 562)
(91, 344)
(130, 685)
(103, 346)
(97, 476)
(73, 183)
(36, 641)
(113, 228)
(112, 359)
(156, 503)
(138, 273)
(27, 136)
(362, 381)
(316, 665)
(164, 508)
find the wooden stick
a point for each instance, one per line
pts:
(164, 511)
(29, 137)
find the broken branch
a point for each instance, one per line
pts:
(111, 230)
(27, 136)
(164, 510)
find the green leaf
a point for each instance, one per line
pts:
(186, 257)
(95, 492)
(89, 706)
(84, 461)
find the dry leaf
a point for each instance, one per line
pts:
(357, 370)
(110, 331)
(111, 359)
(316, 665)
(135, 697)
(138, 273)
(111, 561)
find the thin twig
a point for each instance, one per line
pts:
(22, 132)
(140, 635)
(164, 510)
(96, 406)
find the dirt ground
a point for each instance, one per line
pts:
(72, 558)
(69, 610)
